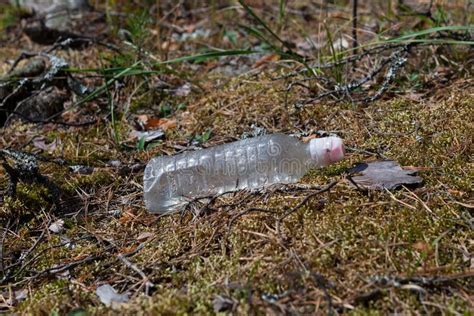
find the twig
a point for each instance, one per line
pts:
(26, 169)
(354, 25)
(306, 199)
(4, 236)
(398, 61)
(39, 254)
(429, 281)
(61, 43)
(65, 267)
(345, 90)
(146, 280)
(65, 43)
(366, 151)
(30, 120)
(363, 190)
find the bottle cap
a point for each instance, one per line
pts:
(326, 150)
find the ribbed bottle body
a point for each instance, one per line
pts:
(171, 181)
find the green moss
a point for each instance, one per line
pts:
(98, 178)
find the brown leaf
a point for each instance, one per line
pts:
(164, 124)
(266, 59)
(144, 236)
(379, 175)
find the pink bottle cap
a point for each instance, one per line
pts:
(326, 150)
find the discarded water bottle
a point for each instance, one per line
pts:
(172, 181)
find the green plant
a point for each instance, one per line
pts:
(204, 137)
(141, 143)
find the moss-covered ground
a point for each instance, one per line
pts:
(409, 251)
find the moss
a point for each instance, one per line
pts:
(98, 178)
(56, 296)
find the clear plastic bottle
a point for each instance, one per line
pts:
(171, 181)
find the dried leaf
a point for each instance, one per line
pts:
(147, 136)
(164, 124)
(57, 226)
(144, 236)
(109, 296)
(266, 59)
(379, 175)
(40, 142)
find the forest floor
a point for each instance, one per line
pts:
(322, 246)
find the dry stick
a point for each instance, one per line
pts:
(346, 89)
(7, 278)
(61, 43)
(28, 252)
(66, 267)
(351, 180)
(270, 211)
(299, 205)
(397, 62)
(5, 231)
(17, 90)
(146, 281)
(30, 120)
(354, 25)
(367, 52)
(306, 199)
(398, 281)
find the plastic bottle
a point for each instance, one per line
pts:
(172, 181)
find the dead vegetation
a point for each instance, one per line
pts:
(322, 246)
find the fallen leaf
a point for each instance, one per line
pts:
(40, 143)
(149, 135)
(379, 175)
(17, 297)
(164, 124)
(266, 59)
(144, 236)
(109, 296)
(57, 226)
